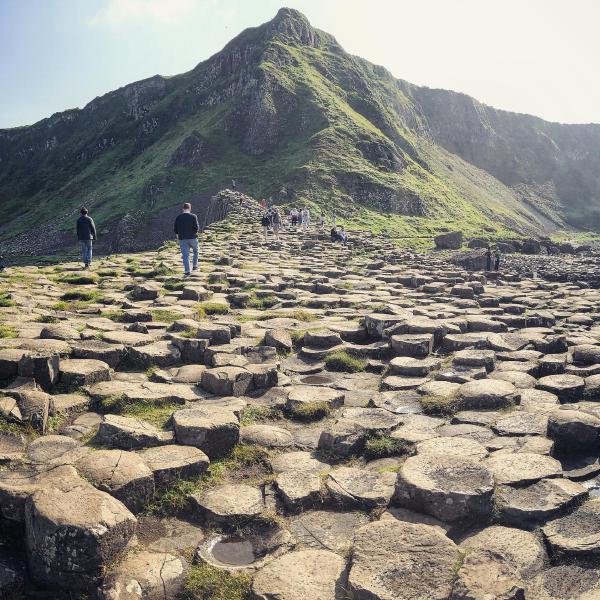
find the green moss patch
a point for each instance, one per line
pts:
(342, 361)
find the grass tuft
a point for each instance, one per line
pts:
(79, 279)
(7, 331)
(165, 315)
(310, 411)
(205, 582)
(381, 446)
(252, 414)
(342, 361)
(438, 405)
(212, 308)
(6, 301)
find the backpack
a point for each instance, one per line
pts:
(265, 221)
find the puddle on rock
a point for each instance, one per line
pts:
(316, 380)
(234, 551)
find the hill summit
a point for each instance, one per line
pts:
(284, 111)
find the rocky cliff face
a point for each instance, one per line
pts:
(285, 111)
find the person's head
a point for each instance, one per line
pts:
(83, 210)
(187, 207)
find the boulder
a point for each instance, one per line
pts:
(230, 503)
(129, 433)
(227, 381)
(171, 463)
(449, 241)
(214, 430)
(73, 534)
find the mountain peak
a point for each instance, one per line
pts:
(294, 27)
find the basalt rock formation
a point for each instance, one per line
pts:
(298, 419)
(287, 113)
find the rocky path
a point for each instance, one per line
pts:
(298, 420)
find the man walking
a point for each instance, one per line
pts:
(86, 232)
(186, 229)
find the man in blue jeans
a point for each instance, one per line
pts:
(186, 230)
(86, 232)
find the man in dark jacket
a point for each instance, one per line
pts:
(186, 230)
(86, 232)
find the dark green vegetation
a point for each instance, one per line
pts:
(286, 112)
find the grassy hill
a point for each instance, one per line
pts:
(287, 113)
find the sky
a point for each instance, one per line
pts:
(532, 56)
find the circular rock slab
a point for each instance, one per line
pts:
(450, 488)
(327, 530)
(576, 534)
(568, 388)
(230, 503)
(528, 506)
(453, 446)
(565, 582)
(522, 467)
(397, 560)
(360, 488)
(486, 394)
(269, 436)
(299, 395)
(314, 574)
(520, 549)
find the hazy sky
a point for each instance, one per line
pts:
(533, 56)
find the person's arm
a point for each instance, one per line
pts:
(175, 228)
(92, 228)
(197, 225)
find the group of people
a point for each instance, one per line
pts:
(186, 230)
(274, 218)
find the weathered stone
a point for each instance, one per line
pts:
(300, 575)
(268, 436)
(170, 463)
(522, 468)
(450, 488)
(568, 388)
(128, 433)
(576, 534)
(227, 381)
(123, 475)
(73, 534)
(360, 488)
(215, 431)
(229, 503)
(387, 562)
(486, 394)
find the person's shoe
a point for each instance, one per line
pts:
(186, 274)
(195, 269)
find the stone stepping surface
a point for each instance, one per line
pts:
(318, 420)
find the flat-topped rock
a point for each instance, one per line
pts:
(214, 430)
(227, 381)
(575, 534)
(568, 388)
(73, 534)
(123, 475)
(387, 561)
(528, 506)
(269, 436)
(358, 488)
(522, 468)
(128, 433)
(229, 503)
(172, 462)
(486, 394)
(302, 574)
(450, 488)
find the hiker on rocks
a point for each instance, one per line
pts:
(86, 233)
(294, 217)
(342, 235)
(265, 223)
(276, 221)
(263, 203)
(186, 229)
(322, 220)
(2, 265)
(305, 218)
(334, 219)
(488, 259)
(233, 184)
(496, 258)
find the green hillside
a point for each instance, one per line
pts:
(287, 113)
